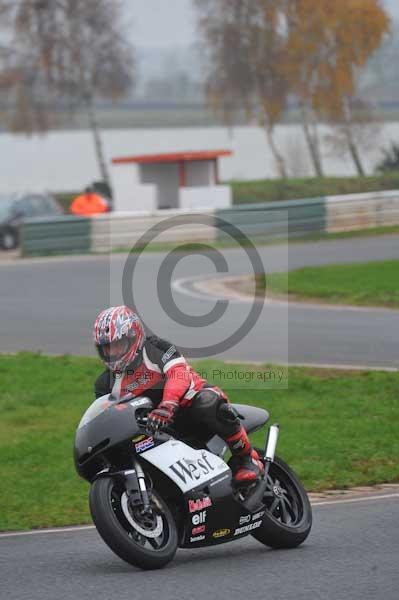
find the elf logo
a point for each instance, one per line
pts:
(199, 518)
(193, 470)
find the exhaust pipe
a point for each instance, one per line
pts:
(271, 443)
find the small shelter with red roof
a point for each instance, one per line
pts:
(186, 180)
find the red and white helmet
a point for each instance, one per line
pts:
(119, 337)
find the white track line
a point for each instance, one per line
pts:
(348, 367)
(45, 531)
(337, 366)
(90, 527)
(351, 500)
(180, 285)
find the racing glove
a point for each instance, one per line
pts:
(162, 416)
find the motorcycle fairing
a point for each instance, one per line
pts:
(188, 468)
(211, 514)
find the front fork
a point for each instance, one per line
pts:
(134, 483)
(136, 487)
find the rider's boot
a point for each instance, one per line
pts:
(245, 462)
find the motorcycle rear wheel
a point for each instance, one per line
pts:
(140, 540)
(288, 517)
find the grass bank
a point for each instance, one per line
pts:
(268, 190)
(337, 429)
(368, 284)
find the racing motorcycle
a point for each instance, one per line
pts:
(151, 494)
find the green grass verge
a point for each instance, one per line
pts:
(337, 429)
(368, 284)
(267, 190)
(388, 230)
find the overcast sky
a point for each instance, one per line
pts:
(171, 22)
(162, 22)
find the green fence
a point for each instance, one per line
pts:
(59, 235)
(273, 219)
(69, 234)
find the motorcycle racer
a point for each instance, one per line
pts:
(137, 364)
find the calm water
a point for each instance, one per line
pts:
(64, 161)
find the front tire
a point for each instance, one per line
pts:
(288, 518)
(137, 541)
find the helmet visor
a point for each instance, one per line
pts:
(114, 351)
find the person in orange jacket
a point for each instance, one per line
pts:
(88, 204)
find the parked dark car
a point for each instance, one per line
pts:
(14, 208)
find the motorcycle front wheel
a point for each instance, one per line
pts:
(147, 541)
(288, 516)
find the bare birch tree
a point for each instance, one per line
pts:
(67, 53)
(245, 48)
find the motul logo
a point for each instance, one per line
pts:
(192, 470)
(200, 504)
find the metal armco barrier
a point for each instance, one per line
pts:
(123, 230)
(362, 211)
(274, 219)
(58, 235)
(108, 232)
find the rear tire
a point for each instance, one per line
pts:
(285, 526)
(106, 507)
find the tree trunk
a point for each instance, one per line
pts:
(354, 152)
(97, 141)
(280, 163)
(312, 140)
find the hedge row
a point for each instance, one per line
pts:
(270, 190)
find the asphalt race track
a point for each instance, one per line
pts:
(50, 305)
(351, 554)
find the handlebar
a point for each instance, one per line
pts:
(166, 429)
